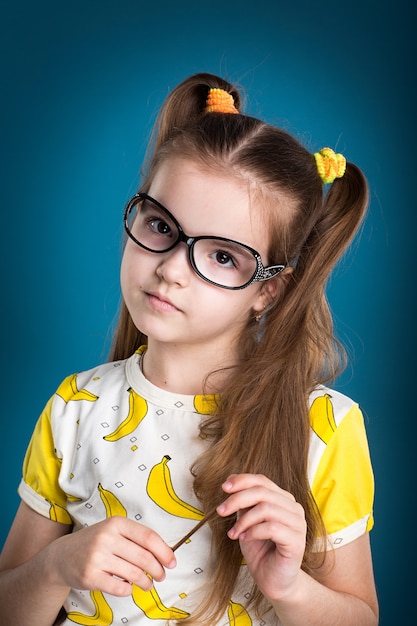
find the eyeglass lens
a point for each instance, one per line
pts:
(223, 262)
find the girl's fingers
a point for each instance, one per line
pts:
(273, 520)
(241, 482)
(263, 505)
(115, 553)
(137, 560)
(148, 547)
(248, 490)
(119, 576)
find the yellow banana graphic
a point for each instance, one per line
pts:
(102, 617)
(322, 417)
(68, 390)
(151, 604)
(57, 513)
(71, 498)
(161, 491)
(206, 405)
(238, 615)
(112, 504)
(138, 408)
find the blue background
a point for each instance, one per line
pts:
(81, 84)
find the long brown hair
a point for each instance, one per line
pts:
(262, 421)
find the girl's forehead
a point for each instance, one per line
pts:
(207, 201)
(175, 170)
(219, 180)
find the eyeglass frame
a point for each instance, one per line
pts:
(261, 273)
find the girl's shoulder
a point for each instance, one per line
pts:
(339, 465)
(330, 405)
(92, 383)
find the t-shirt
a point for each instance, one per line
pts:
(109, 442)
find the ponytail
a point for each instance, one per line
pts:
(186, 104)
(344, 207)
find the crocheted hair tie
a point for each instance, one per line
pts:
(330, 165)
(219, 101)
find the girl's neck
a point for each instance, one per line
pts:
(183, 370)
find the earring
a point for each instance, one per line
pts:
(259, 315)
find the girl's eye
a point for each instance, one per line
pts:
(224, 258)
(159, 226)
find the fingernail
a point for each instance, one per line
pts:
(172, 564)
(231, 533)
(227, 485)
(221, 508)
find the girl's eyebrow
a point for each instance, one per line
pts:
(150, 207)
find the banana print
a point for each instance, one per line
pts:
(138, 408)
(151, 604)
(238, 615)
(161, 491)
(68, 390)
(102, 617)
(57, 513)
(206, 405)
(322, 418)
(112, 504)
(71, 498)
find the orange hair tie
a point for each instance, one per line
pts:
(219, 101)
(330, 165)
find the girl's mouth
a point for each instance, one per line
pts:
(161, 304)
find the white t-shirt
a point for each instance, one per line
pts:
(111, 443)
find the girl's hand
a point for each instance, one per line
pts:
(271, 529)
(110, 556)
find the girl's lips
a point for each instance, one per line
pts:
(160, 304)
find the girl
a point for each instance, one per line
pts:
(213, 402)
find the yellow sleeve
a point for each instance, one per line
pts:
(41, 467)
(343, 485)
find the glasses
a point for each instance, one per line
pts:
(219, 261)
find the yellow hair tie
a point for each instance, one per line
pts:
(330, 165)
(219, 101)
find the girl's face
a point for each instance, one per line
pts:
(166, 299)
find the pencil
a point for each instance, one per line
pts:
(201, 523)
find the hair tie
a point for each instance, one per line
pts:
(330, 165)
(219, 101)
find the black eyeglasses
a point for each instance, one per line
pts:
(220, 261)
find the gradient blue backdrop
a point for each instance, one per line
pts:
(81, 84)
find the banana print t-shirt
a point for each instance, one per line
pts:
(111, 443)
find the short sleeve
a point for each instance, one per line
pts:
(39, 487)
(343, 484)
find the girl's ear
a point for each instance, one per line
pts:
(273, 289)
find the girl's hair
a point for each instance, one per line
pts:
(261, 424)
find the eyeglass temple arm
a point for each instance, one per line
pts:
(271, 271)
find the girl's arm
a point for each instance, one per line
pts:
(42, 560)
(28, 592)
(345, 594)
(271, 529)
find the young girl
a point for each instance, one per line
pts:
(213, 402)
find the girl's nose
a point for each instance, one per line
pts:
(174, 265)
